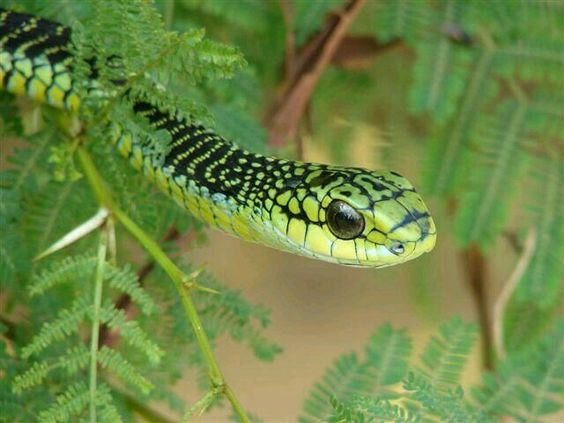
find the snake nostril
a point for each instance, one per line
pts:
(425, 225)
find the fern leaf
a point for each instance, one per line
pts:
(484, 206)
(448, 406)
(16, 186)
(529, 383)
(551, 377)
(387, 355)
(542, 279)
(340, 380)
(75, 359)
(365, 409)
(405, 19)
(526, 319)
(131, 332)
(70, 269)
(249, 15)
(446, 157)
(32, 377)
(71, 403)
(117, 364)
(442, 65)
(66, 323)
(386, 364)
(108, 413)
(538, 295)
(231, 313)
(126, 281)
(445, 355)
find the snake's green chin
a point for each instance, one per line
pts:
(380, 256)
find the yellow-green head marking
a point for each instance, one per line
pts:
(349, 216)
(343, 215)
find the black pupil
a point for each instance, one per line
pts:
(344, 221)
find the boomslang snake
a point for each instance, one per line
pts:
(344, 215)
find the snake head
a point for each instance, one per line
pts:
(358, 217)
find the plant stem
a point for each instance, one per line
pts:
(178, 277)
(102, 247)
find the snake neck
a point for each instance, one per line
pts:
(246, 194)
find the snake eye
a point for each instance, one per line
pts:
(397, 248)
(344, 221)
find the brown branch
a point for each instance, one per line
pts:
(283, 118)
(358, 52)
(475, 264)
(109, 336)
(290, 40)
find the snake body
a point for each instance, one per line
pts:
(344, 215)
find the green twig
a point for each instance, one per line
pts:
(178, 277)
(102, 247)
(200, 406)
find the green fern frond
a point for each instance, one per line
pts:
(407, 19)
(66, 323)
(73, 360)
(445, 355)
(526, 319)
(442, 65)
(70, 404)
(32, 377)
(496, 172)
(249, 15)
(117, 364)
(69, 269)
(16, 407)
(131, 332)
(387, 355)
(446, 160)
(386, 364)
(17, 185)
(538, 295)
(340, 380)
(230, 313)
(529, 383)
(23, 177)
(529, 35)
(448, 406)
(125, 280)
(108, 412)
(543, 276)
(365, 409)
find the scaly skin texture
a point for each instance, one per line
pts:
(280, 203)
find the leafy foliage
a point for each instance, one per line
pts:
(476, 90)
(526, 385)
(385, 365)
